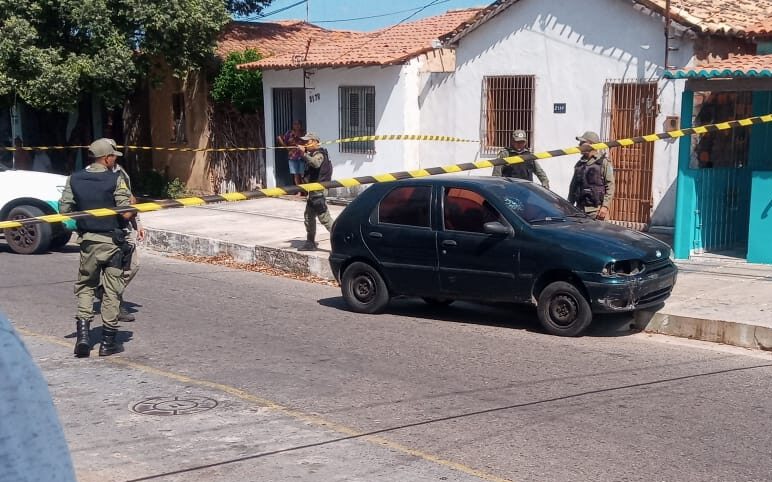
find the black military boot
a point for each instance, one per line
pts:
(83, 342)
(109, 346)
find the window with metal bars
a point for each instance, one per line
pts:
(356, 107)
(507, 105)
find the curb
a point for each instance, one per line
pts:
(716, 331)
(287, 260)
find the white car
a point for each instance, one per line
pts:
(26, 194)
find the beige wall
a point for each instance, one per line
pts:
(189, 167)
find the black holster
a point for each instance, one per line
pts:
(317, 202)
(122, 259)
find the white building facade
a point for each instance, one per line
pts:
(553, 68)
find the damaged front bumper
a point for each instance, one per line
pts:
(628, 293)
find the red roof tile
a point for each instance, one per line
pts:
(736, 66)
(392, 45)
(274, 38)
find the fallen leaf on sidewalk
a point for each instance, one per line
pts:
(229, 262)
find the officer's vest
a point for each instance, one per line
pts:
(94, 190)
(323, 173)
(521, 170)
(590, 184)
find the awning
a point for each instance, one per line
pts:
(737, 67)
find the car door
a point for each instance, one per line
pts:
(400, 237)
(472, 263)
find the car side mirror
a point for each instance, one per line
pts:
(496, 228)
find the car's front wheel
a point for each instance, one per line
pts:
(364, 289)
(30, 238)
(563, 310)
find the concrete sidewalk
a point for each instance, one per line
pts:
(716, 299)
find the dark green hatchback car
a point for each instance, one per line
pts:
(493, 239)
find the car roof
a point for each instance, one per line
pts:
(461, 181)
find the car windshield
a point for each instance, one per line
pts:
(534, 204)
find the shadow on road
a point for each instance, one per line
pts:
(70, 248)
(504, 315)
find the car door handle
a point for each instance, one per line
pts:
(448, 243)
(375, 234)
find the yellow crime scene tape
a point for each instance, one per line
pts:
(382, 137)
(394, 176)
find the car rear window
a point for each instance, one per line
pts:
(408, 206)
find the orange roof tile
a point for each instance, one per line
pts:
(764, 28)
(735, 66)
(389, 46)
(729, 17)
(273, 38)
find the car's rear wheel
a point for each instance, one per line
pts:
(30, 238)
(563, 310)
(364, 289)
(437, 301)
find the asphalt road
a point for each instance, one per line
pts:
(305, 390)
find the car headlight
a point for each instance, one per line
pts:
(628, 267)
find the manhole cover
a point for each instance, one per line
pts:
(182, 405)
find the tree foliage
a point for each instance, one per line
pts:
(242, 88)
(52, 52)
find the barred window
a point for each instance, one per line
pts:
(357, 118)
(507, 105)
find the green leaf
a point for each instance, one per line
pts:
(54, 53)
(242, 88)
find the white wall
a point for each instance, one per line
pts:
(572, 48)
(396, 112)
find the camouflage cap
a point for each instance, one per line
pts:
(519, 135)
(589, 137)
(310, 136)
(103, 147)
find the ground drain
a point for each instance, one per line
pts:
(180, 405)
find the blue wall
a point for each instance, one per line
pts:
(683, 236)
(760, 160)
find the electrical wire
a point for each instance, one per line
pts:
(373, 16)
(274, 12)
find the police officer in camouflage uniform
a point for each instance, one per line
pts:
(103, 247)
(592, 187)
(318, 169)
(521, 170)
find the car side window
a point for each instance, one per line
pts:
(465, 210)
(408, 206)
